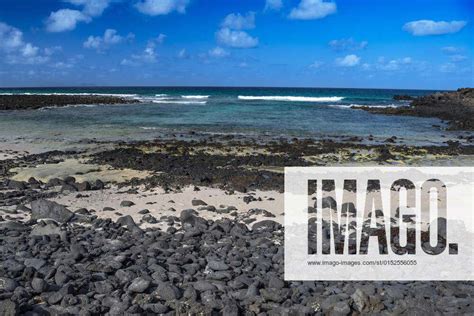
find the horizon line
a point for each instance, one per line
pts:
(210, 86)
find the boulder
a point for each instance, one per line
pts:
(197, 202)
(83, 186)
(49, 229)
(126, 203)
(128, 222)
(16, 185)
(9, 308)
(139, 285)
(48, 209)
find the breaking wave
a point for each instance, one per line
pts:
(178, 102)
(290, 98)
(195, 96)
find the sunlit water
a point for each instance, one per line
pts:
(260, 112)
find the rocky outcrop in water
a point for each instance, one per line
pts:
(455, 107)
(24, 102)
(403, 97)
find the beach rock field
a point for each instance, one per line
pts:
(185, 228)
(194, 267)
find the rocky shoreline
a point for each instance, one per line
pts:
(457, 108)
(227, 164)
(195, 267)
(31, 102)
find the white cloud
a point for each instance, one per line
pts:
(348, 61)
(347, 44)
(10, 37)
(52, 50)
(93, 42)
(160, 39)
(316, 64)
(62, 65)
(406, 60)
(393, 64)
(91, 7)
(458, 58)
(430, 27)
(231, 33)
(29, 50)
(149, 54)
(366, 66)
(16, 50)
(450, 49)
(28, 56)
(69, 63)
(448, 68)
(312, 9)
(65, 20)
(273, 5)
(183, 54)
(128, 62)
(109, 38)
(239, 22)
(236, 39)
(161, 7)
(218, 52)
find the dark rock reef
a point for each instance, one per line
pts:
(182, 164)
(455, 107)
(24, 102)
(403, 97)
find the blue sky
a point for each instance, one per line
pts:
(311, 43)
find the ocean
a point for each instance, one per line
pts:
(318, 113)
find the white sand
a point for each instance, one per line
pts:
(78, 169)
(162, 202)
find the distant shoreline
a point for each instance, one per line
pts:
(29, 102)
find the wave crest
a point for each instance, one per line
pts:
(290, 98)
(178, 102)
(195, 96)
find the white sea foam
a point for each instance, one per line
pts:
(68, 106)
(195, 96)
(290, 98)
(165, 98)
(81, 105)
(178, 102)
(152, 99)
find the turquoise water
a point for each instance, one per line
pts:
(262, 112)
